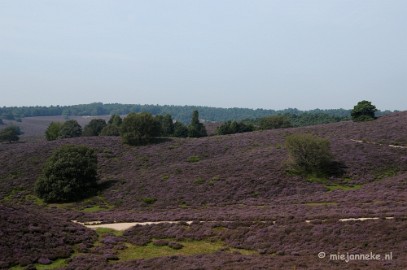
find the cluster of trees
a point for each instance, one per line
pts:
(135, 128)
(144, 128)
(231, 127)
(269, 122)
(68, 129)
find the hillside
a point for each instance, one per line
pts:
(241, 179)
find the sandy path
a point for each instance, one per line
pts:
(374, 143)
(127, 225)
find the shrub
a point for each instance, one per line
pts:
(10, 134)
(53, 131)
(308, 154)
(149, 200)
(110, 130)
(167, 125)
(180, 130)
(363, 111)
(275, 121)
(69, 174)
(94, 127)
(115, 120)
(140, 129)
(70, 129)
(175, 245)
(193, 159)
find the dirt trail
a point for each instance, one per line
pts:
(127, 225)
(374, 143)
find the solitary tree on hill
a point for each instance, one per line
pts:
(363, 111)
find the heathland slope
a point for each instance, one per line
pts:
(220, 170)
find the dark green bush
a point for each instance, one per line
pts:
(10, 134)
(180, 130)
(115, 120)
(308, 154)
(231, 127)
(196, 129)
(275, 121)
(94, 127)
(69, 174)
(140, 129)
(70, 129)
(110, 130)
(53, 131)
(167, 125)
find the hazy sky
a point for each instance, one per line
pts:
(225, 53)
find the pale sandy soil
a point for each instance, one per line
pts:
(127, 225)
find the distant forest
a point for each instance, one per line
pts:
(181, 113)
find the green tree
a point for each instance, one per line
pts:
(140, 129)
(10, 134)
(308, 154)
(94, 127)
(110, 130)
(115, 120)
(53, 131)
(180, 130)
(167, 125)
(69, 174)
(70, 129)
(196, 129)
(274, 121)
(363, 111)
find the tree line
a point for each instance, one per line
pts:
(179, 113)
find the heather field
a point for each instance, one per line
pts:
(247, 212)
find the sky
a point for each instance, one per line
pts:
(270, 54)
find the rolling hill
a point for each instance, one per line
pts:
(238, 187)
